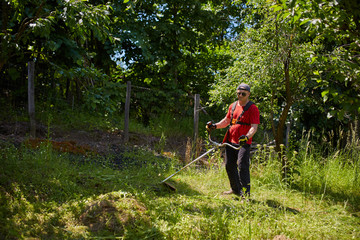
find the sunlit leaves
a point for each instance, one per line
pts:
(39, 23)
(85, 19)
(42, 27)
(333, 28)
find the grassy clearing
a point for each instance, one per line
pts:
(48, 195)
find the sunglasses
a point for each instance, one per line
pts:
(241, 94)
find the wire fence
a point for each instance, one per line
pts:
(47, 93)
(197, 108)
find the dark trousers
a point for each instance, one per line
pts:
(237, 163)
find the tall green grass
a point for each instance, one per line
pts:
(333, 175)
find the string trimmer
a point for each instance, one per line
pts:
(216, 145)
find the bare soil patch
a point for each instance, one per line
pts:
(97, 141)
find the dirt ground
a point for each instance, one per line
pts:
(99, 141)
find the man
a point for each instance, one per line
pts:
(243, 126)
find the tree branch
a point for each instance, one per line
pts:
(26, 23)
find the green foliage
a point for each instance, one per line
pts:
(108, 99)
(66, 39)
(298, 55)
(37, 23)
(162, 46)
(170, 45)
(300, 63)
(336, 55)
(272, 57)
(171, 126)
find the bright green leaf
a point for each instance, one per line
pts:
(325, 93)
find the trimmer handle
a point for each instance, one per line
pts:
(222, 144)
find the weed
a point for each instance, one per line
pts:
(159, 147)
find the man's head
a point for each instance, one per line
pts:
(243, 91)
(243, 86)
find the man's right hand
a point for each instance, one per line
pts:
(210, 126)
(243, 139)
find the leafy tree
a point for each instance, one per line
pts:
(57, 34)
(169, 39)
(333, 26)
(272, 56)
(173, 46)
(296, 53)
(339, 58)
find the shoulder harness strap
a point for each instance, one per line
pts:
(246, 107)
(232, 113)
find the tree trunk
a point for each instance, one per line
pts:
(279, 138)
(3, 44)
(2, 63)
(289, 101)
(273, 127)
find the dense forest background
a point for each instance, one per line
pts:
(300, 57)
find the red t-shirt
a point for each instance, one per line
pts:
(251, 116)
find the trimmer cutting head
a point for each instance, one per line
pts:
(169, 186)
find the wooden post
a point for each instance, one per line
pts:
(127, 111)
(196, 116)
(31, 98)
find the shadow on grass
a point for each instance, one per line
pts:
(159, 189)
(147, 171)
(352, 200)
(275, 205)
